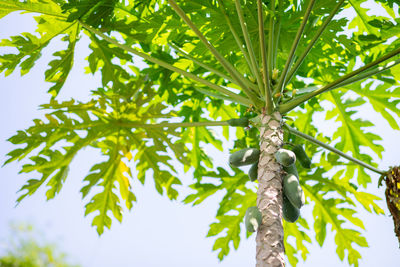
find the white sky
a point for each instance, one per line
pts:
(157, 232)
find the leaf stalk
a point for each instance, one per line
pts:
(313, 41)
(332, 149)
(237, 38)
(284, 108)
(171, 124)
(282, 79)
(228, 67)
(209, 68)
(263, 48)
(240, 99)
(249, 46)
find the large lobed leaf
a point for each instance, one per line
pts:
(112, 127)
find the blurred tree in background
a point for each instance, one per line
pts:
(27, 248)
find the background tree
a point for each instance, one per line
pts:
(195, 80)
(26, 249)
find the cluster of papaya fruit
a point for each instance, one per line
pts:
(293, 195)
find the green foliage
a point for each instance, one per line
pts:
(107, 123)
(351, 133)
(42, 7)
(232, 208)
(26, 248)
(333, 195)
(145, 116)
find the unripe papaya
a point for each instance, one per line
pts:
(292, 169)
(293, 191)
(302, 156)
(289, 212)
(244, 157)
(240, 122)
(253, 172)
(285, 157)
(252, 219)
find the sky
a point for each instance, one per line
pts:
(157, 232)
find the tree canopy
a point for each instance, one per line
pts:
(203, 63)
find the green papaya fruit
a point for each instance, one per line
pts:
(302, 156)
(244, 157)
(240, 122)
(253, 172)
(292, 169)
(285, 157)
(252, 219)
(290, 213)
(293, 191)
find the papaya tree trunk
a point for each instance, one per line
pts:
(270, 248)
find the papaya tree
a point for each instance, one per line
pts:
(173, 72)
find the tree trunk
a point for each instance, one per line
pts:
(270, 248)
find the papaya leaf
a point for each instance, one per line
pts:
(232, 207)
(383, 98)
(326, 211)
(29, 47)
(351, 133)
(298, 232)
(101, 58)
(95, 13)
(42, 6)
(106, 175)
(362, 20)
(113, 127)
(227, 228)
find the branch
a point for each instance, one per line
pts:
(201, 64)
(277, 32)
(240, 99)
(299, 34)
(228, 67)
(367, 74)
(249, 45)
(301, 99)
(237, 38)
(356, 78)
(271, 53)
(171, 125)
(313, 41)
(266, 69)
(209, 93)
(332, 149)
(209, 68)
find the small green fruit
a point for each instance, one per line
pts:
(244, 157)
(253, 172)
(285, 157)
(293, 191)
(289, 212)
(252, 219)
(302, 156)
(292, 169)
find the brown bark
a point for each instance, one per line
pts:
(392, 194)
(270, 248)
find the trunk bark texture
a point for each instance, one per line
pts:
(270, 248)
